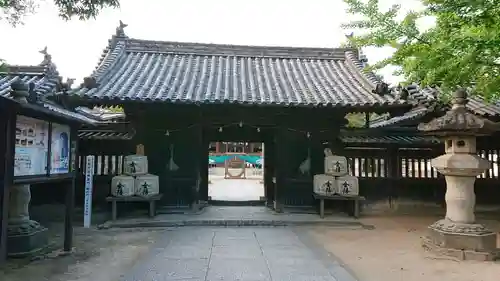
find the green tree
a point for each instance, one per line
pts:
(358, 120)
(13, 11)
(462, 48)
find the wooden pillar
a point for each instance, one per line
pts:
(280, 169)
(203, 162)
(269, 167)
(70, 193)
(217, 147)
(7, 150)
(317, 154)
(138, 120)
(393, 173)
(367, 119)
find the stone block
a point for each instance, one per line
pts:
(480, 256)
(459, 254)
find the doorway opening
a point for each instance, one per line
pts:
(236, 173)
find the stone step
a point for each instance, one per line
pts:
(229, 223)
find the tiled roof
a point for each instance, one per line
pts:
(426, 97)
(42, 79)
(141, 70)
(105, 135)
(101, 114)
(402, 140)
(413, 114)
(402, 136)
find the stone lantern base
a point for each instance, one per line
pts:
(26, 238)
(462, 241)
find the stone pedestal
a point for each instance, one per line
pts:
(463, 241)
(24, 236)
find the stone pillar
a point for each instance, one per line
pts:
(20, 197)
(24, 236)
(458, 234)
(460, 199)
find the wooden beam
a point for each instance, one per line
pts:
(70, 193)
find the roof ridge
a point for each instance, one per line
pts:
(46, 72)
(111, 54)
(369, 76)
(212, 49)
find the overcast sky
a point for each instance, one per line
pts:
(76, 46)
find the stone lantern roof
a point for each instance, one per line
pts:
(458, 121)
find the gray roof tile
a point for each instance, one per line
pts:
(105, 135)
(427, 96)
(45, 80)
(410, 115)
(141, 70)
(402, 140)
(475, 103)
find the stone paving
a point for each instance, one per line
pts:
(243, 254)
(235, 189)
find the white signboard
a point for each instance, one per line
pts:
(60, 149)
(31, 147)
(89, 183)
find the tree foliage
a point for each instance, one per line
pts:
(13, 11)
(462, 48)
(358, 120)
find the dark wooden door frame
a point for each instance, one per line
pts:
(268, 175)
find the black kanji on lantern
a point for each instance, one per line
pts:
(119, 188)
(133, 167)
(145, 188)
(345, 187)
(338, 166)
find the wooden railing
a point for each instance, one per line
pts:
(372, 164)
(411, 164)
(104, 165)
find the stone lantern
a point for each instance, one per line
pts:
(458, 234)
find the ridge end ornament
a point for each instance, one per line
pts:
(120, 30)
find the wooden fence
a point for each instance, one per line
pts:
(413, 176)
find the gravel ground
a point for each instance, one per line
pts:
(98, 256)
(392, 252)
